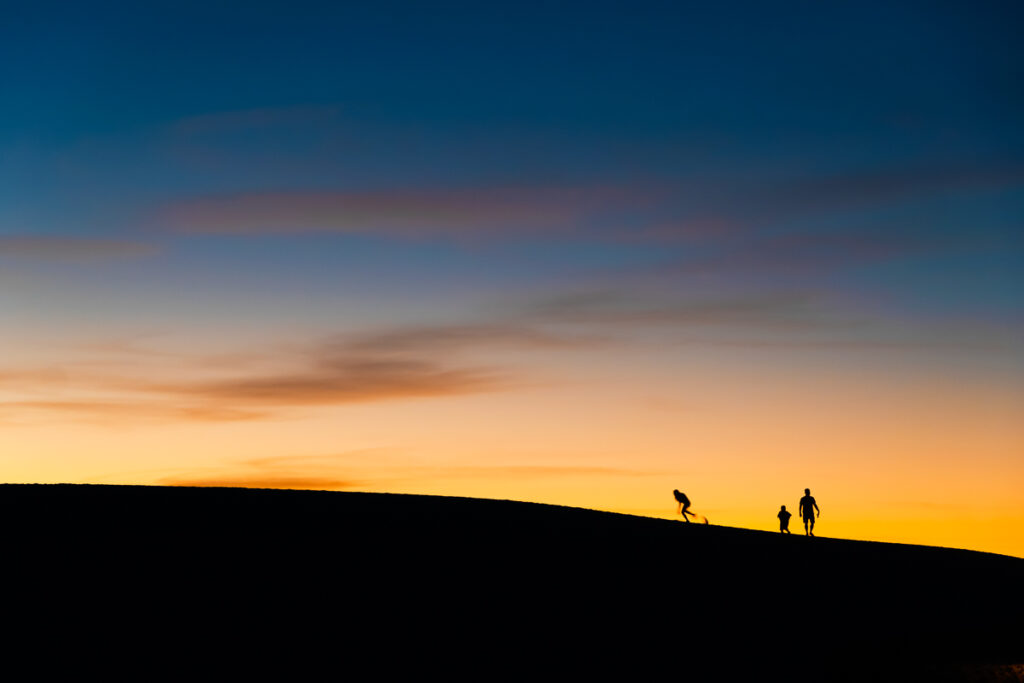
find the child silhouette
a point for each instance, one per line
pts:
(784, 520)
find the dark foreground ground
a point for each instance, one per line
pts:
(251, 581)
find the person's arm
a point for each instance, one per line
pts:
(816, 508)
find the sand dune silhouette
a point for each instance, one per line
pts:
(454, 585)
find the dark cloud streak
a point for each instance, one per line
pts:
(337, 380)
(433, 360)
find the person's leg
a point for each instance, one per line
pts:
(812, 526)
(686, 512)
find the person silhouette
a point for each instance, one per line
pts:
(684, 503)
(784, 520)
(808, 507)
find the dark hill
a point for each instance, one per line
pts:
(418, 584)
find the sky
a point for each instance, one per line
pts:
(578, 253)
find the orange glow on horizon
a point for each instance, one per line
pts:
(908, 456)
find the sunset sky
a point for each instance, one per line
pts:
(578, 253)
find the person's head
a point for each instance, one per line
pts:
(783, 508)
(807, 492)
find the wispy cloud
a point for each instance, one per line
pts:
(782, 320)
(722, 213)
(334, 472)
(432, 361)
(733, 206)
(105, 411)
(878, 187)
(814, 251)
(255, 481)
(521, 471)
(623, 309)
(385, 365)
(255, 395)
(453, 337)
(409, 213)
(337, 380)
(32, 379)
(71, 248)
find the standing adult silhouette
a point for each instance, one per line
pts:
(808, 507)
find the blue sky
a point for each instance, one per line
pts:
(785, 146)
(225, 214)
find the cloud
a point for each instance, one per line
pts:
(741, 215)
(879, 186)
(719, 212)
(33, 378)
(340, 380)
(361, 470)
(737, 206)
(701, 229)
(71, 248)
(453, 337)
(329, 381)
(413, 361)
(623, 310)
(442, 360)
(774, 320)
(519, 471)
(815, 251)
(105, 411)
(407, 213)
(259, 482)
(386, 365)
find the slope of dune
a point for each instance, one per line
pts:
(458, 585)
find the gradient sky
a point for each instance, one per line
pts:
(577, 253)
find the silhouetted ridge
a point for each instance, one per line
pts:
(485, 576)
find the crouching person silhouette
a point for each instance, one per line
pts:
(684, 504)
